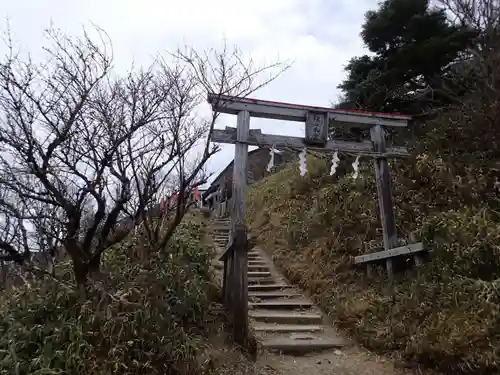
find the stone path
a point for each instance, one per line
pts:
(282, 317)
(296, 336)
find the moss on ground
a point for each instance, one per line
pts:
(446, 315)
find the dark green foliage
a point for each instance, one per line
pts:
(413, 46)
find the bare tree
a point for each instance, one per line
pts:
(482, 16)
(84, 152)
(223, 72)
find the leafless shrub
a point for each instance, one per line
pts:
(478, 71)
(85, 154)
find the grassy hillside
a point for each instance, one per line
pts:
(151, 316)
(447, 315)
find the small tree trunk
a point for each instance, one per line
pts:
(81, 270)
(94, 266)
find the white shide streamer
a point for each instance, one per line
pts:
(272, 151)
(303, 162)
(355, 166)
(335, 163)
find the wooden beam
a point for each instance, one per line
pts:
(257, 138)
(385, 201)
(239, 281)
(297, 112)
(391, 253)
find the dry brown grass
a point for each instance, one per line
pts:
(447, 316)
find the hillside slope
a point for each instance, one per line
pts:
(446, 316)
(152, 313)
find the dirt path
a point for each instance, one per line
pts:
(353, 361)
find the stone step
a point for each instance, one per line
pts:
(281, 304)
(286, 328)
(258, 273)
(261, 281)
(253, 268)
(274, 294)
(285, 317)
(268, 287)
(302, 346)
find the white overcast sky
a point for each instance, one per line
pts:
(319, 35)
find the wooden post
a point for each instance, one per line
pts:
(385, 201)
(225, 296)
(239, 282)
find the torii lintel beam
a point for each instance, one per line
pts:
(297, 112)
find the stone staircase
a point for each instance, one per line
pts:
(282, 317)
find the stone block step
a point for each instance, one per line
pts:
(253, 268)
(218, 266)
(259, 273)
(285, 317)
(302, 346)
(274, 294)
(286, 328)
(262, 281)
(281, 304)
(268, 287)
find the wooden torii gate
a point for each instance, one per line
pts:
(317, 120)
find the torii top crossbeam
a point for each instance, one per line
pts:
(297, 112)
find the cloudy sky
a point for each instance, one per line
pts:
(319, 35)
